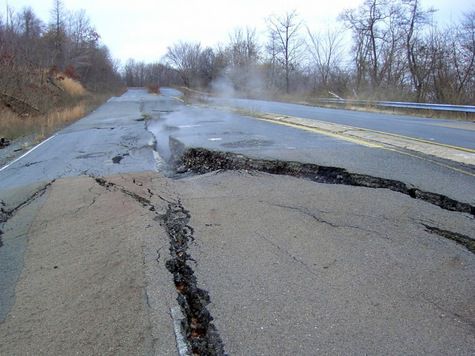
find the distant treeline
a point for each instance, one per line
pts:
(34, 55)
(398, 52)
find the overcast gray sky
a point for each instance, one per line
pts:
(143, 29)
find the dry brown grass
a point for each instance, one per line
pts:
(71, 86)
(12, 125)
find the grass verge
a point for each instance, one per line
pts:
(13, 126)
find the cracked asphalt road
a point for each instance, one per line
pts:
(295, 267)
(458, 133)
(92, 145)
(290, 266)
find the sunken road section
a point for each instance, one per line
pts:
(200, 160)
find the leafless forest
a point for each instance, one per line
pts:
(37, 57)
(391, 50)
(397, 52)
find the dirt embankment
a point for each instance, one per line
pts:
(37, 111)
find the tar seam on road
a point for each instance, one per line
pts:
(27, 153)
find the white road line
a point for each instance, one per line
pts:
(188, 126)
(181, 344)
(23, 155)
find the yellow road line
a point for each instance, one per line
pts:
(468, 150)
(367, 143)
(177, 98)
(323, 132)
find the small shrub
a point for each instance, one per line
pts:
(153, 88)
(71, 86)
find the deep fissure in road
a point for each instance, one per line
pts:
(201, 160)
(200, 331)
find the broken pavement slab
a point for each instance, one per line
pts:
(296, 267)
(90, 260)
(290, 266)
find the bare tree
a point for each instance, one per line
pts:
(31, 26)
(464, 55)
(413, 21)
(58, 33)
(286, 31)
(185, 58)
(243, 48)
(325, 51)
(242, 53)
(28, 50)
(376, 38)
(82, 42)
(141, 74)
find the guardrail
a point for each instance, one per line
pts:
(403, 105)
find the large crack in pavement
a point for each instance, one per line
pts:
(201, 334)
(145, 202)
(7, 213)
(201, 160)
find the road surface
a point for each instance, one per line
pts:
(457, 133)
(100, 235)
(219, 130)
